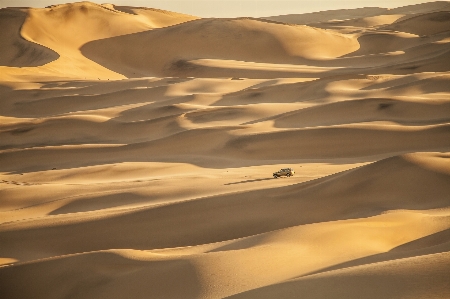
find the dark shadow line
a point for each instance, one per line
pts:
(249, 181)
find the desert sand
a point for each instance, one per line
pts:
(137, 148)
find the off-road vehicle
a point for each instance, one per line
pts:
(284, 172)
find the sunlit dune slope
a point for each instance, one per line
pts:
(69, 26)
(424, 276)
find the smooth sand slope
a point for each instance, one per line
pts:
(137, 148)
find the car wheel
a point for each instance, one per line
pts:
(275, 176)
(288, 175)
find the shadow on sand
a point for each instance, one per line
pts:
(249, 181)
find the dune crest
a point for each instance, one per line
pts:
(138, 146)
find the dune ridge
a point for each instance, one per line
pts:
(137, 148)
(16, 50)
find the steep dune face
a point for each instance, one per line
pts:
(17, 51)
(163, 187)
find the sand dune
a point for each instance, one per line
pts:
(137, 148)
(423, 24)
(325, 16)
(346, 195)
(366, 111)
(65, 28)
(229, 39)
(17, 51)
(82, 22)
(425, 277)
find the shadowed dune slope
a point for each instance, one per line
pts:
(376, 43)
(324, 16)
(424, 24)
(366, 16)
(164, 53)
(422, 8)
(337, 142)
(115, 273)
(367, 110)
(15, 51)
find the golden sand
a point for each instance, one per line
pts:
(137, 148)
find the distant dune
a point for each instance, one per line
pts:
(226, 39)
(137, 151)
